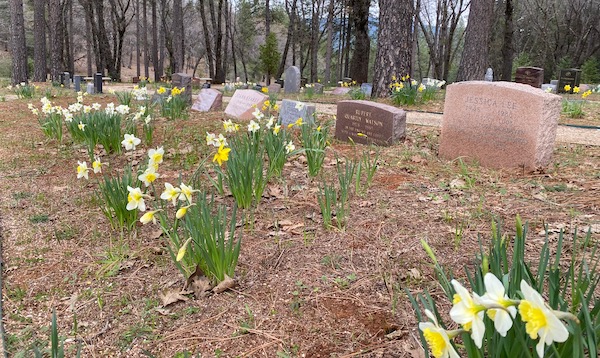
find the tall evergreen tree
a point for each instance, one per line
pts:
(474, 60)
(18, 46)
(39, 41)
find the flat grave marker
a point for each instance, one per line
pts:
(208, 100)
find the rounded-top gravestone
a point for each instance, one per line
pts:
(292, 80)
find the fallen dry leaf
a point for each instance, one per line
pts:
(226, 284)
(169, 297)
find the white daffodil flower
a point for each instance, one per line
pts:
(130, 142)
(82, 170)
(170, 193)
(97, 165)
(495, 295)
(258, 114)
(210, 139)
(289, 147)
(156, 155)
(186, 192)
(149, 176)
(135, 199)
(468, 312)
(253, 126)
(149, 217)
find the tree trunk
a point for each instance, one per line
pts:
(329, 46)
(39, 41)
(289, 39)
(474, 60)
(138, 31)
(207, 41)
(507, 46)
(177, 36)
(155, 64)
(56, 45)
(145, 39)
(267, 19)
(18, 46)
(219, 70)
(394, 43)
(89, 44)
(359, 65)
(314, 39)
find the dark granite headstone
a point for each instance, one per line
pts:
(290, 111)
(208, 100)
(77, 83)
(98, 83)
(369, 122)
(533, 76)
(571, 77)
(183, 80)
(292, 80)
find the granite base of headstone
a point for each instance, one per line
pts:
(571, 77)
(292, 80)
(208, 100)
(367, 89)
(533, 76)
(98, 83)
(340, 91)
(369, 122)
(244, 102)
(274, 88)
(499, 124)
(183, 80)
(290, 111)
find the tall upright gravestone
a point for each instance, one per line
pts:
(183, 80)
(292, 80)
(499, 124)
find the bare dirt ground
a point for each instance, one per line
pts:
(302, 290)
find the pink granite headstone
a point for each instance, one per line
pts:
(338, 91)
(208, 100)
(244, 102)
(499, 124)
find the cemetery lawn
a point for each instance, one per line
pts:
(302, 290)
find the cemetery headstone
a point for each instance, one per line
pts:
(367, 89)
(489, 75)
(183, 80)
(318, 88)
(338, 91)
(290, 111)
(533, 76)
(554, 82)
(77, 83)
(244, 102)
(67, 80)
(292, 80)
(274, 88)
(90, 88)
(98, 83)
(370, 122)
(208, 100)
(570, 77)
(499, 124)
(546, 87)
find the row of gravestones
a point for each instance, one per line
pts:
(498, 124)
(94, 84)
(534, 76)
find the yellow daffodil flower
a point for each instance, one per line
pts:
(161, 90)
(299, 122)
(393, 77)
(182, 211)
(156, 155)
(135, 199)
(276, 107)
(222, 155)
(495, 295)
(567, 88)
(468, 312)
(170, 193)
(149, 176)
(186, 192)
(82, 170)
(575, 89)
(540, 321)
(182, 250)
(586, 93)
(267, 103)
(149, 217)
(438, 339)
(265, 90)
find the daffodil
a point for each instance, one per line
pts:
(130, 142)
(299, 122)
(253, 126)
(186, 192)
(468, 312)
(149, 176)
(161, 90)
(156, 155)
(97, 165)
(299, 106)
(229, 126)
(222, 155)
(221, 140)
(289, 147)
(586, 93)
(270, 122)
(81, 126)
(135, 199)
(211, 139)
(567, 88)
(183, 249)
(258, 114)
(421, 88)
(170, 193)
(276, 129)
(575, 89)
(540, 320)
(82, 170)
(265, 90)
(182, 211)
(149, 217)
(495, 295)
(438, 339)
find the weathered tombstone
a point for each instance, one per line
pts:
(98, 83)
(208, 100)
(77, 83)
(318, 88)
(290, 111)
(369, 122)
(499, 124)
(489, 75)
(67, 80)
(554, 82)
(570, 77)
(292, 80)
(340, 91)
(90, 88)
(244, 102)
(274, 88)
(135, 79)
(367, 89)
(533, 76)
(183, 80)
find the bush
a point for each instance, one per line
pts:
(590, 71)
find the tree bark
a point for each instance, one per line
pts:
(474, 60)
(54, 10)
(207, 40)
(155, 63)
(314, 39)
(394, 43)
(507, 46)
(18, 45)
(329, 46)
(39, 41)
(359, 65)
(177, 36)
(145, 39)
(138, 31)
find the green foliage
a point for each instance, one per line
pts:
(269, 55)
(24, 90)
(113, 193)
(52, 126)
(124, 97)
(590, 71)
(573, 108)
(97, 127)
(276, 152)
(315, 138)
(356, 93)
